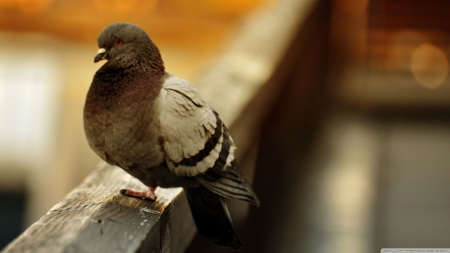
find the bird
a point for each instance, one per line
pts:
(157, 127)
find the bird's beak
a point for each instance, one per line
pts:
(100, 55)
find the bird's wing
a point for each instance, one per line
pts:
(197, 143)
(191, 132)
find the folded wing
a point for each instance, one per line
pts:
(197, 143)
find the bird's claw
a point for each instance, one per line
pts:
(147, 195)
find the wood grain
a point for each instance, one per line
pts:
(95, 218)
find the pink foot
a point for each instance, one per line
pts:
(149, 194)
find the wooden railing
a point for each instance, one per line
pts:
(242, 86)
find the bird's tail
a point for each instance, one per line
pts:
(211, 216)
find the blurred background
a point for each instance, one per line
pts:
(353, 156)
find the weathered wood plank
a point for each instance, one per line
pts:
(95, 218)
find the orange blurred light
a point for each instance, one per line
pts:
(7, 4)
(233, 6)
(33, 6)
(129, 6)
(429, 65)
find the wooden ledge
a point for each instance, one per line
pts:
(94, 217)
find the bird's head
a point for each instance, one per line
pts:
(123, 42)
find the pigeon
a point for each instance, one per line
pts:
(157, 127)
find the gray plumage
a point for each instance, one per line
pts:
(158, 128)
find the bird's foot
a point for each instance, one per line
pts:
(149, 194)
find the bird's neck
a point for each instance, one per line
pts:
(118, 87)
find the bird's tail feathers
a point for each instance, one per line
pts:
(211, 217)
(230, 184)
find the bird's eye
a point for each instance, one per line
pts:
(118, 42)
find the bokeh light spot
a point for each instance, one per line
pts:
(429, 65)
